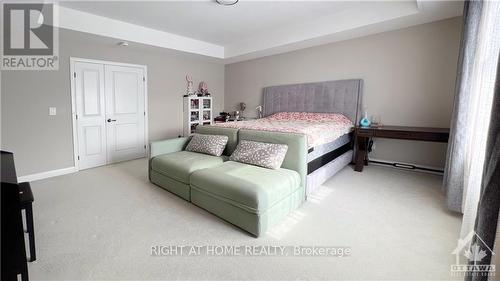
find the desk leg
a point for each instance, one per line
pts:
(366, 154)
(361, 153)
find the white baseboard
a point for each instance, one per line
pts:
(48, 174)
(417, 165)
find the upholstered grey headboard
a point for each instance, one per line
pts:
(340, 96)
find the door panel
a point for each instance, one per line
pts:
(90, 102)
(125, 117)
(93, 136)
(93, 92)
(126, 92)
(125, 136)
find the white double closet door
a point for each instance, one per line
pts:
(110, 113)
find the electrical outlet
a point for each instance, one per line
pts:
(52, 111)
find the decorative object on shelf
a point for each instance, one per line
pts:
(197, 112)
(203, 89)
(259, 111)
(365, 122)
(206, 115)
(376, 121)
(236, 115)
(190, 89)
(243, 106)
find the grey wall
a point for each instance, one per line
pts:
(408, 74)
(43, 143)
(409, 78)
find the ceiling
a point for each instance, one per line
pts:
(248, 29)
(208, 21)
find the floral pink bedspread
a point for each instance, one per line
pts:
(320, 128)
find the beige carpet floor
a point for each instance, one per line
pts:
(101, 224)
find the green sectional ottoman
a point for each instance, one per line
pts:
(172, 171)
(170, 166)
(247, 196)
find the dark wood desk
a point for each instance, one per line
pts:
(363, 136)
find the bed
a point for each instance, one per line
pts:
(325, 112)
(319, 128)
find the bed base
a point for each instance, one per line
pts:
(319, 176)
(326, 160)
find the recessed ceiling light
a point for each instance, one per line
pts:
(226, 2)
(122, 44)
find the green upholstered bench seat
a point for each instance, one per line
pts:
(250, 187)
(172, 171)
(180, 165)
(170, 166)
(250, 197)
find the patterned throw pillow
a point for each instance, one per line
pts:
(267, 155)
(207, 144)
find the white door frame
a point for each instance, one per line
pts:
(72, 61)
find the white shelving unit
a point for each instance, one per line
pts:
(197, 112)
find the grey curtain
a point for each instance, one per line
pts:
(489, 202)
(453, 183)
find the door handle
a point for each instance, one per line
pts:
(111, 120)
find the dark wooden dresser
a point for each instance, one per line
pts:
(13, 247)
